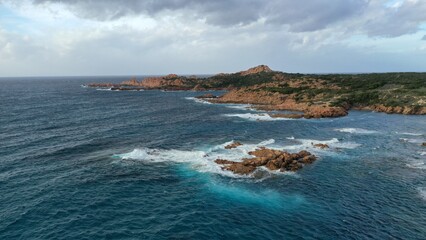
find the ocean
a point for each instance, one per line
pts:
(84, 163)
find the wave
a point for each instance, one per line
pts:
(257, 117)
(411, 140)
(241, 107)
(104, 89)
(355, 130)
(422, 153)
(410, 134)
(422, 192)
(198, 100)
(332, 143)
(417, 165)
(199, 160)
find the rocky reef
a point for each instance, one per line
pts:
(269, 158)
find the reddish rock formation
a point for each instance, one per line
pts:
(224, 161)
(321, 145)
(233, 145)
(286, 115)
(397, 110)
(264, 100)
(131, 82)
(254, 70)
(271, 159)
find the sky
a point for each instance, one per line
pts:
(145, 37)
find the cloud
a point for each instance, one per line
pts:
(399, 19)
(64, 37)
(424, 38)
(301, 16)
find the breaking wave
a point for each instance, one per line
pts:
(417, 165)
(104, 89)
(410, 134)
(198, 100)
(257, 117)
(422, 192)
(241, 107)
(411, 140)
(308, 144)
(199, 160)
(355, 130)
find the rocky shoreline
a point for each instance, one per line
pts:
(312, 96)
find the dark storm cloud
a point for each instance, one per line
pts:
(301, 16)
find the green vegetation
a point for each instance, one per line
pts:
(236, 80)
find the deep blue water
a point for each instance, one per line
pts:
(77, 163)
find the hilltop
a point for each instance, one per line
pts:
(316, 95)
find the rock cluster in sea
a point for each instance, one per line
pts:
(271, 159)
(233, 145)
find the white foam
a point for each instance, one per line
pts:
(104, 89)
(332, 143)
(410, 134)
(422, 153)
(417, 165)
(411, 140)
(355, 130)
(256, 117)
(290, 138)
(198, 100)
(202, 161)
(422, 192)
(241, 107)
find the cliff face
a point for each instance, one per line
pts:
(165, 82)
(407, 110)
(275, 101)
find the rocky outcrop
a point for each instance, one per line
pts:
(424, 144)
(324, 112)
(286, 115)
(233, 145)
(103, 85)
(407, 110)
(254, 70)
(264, 100)
(321, 145)
(269, 158)
(131, 82)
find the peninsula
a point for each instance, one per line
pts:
(313, 95)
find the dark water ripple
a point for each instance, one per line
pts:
(61, 177)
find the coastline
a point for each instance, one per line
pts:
(314, 96)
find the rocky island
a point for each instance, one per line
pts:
(313, 95)
(269, 158)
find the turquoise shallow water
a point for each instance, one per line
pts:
(81, 163)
